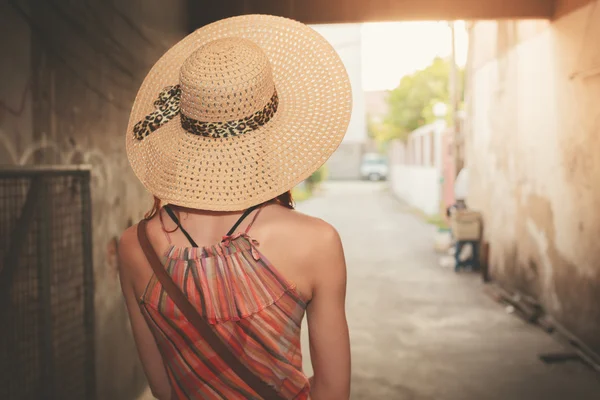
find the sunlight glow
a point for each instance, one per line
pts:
(391, 50)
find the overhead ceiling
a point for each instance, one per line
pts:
(347, 11)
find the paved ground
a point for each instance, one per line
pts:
(420, 331)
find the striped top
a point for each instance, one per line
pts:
(249, 304)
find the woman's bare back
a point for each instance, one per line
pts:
(306, 251)
(287, 238)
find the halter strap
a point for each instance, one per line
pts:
(260, 208)
(171, 214)
(176, 220)
(242, 218)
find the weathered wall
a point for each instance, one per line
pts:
(532, 152)
(69, 75)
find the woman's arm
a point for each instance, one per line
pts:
(327, 326)
(131, 258)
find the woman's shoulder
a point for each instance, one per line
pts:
(306, 249)
(132, 260)
(129, 236)
(129, 249)
(301, 232)
(286, 219)
(129, 241)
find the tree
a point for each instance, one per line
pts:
(410, 105)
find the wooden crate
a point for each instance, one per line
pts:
(466, 225)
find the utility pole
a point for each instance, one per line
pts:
(454, 102)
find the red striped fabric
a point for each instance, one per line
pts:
(251, 306)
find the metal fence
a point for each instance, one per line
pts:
(46, 284)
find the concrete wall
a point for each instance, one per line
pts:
(69, 76)
(346, 40)
(532, 152)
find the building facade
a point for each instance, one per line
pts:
(69, 77)
(346, 40)
(532, 142)
(417, 168)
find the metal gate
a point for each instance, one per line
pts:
(46, 284)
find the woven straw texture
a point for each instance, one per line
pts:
(229, 70)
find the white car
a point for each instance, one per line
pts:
(374, 167)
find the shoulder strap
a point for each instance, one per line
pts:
(242, 218)
(191, 314)
(253, 220)
(176, 220)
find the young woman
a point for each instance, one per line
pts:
(219, 274)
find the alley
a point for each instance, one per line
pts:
(420, 331)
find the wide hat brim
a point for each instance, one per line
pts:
(234, 173)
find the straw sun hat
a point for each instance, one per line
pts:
(237, 113)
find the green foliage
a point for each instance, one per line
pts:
(438, 221)
(318, 176)
(305, 191)
(372, 127)
(411, 103)
(300, 194)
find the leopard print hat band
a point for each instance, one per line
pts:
(168, 105)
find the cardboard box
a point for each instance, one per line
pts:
(466, 225)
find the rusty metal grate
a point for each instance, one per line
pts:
(46, 284)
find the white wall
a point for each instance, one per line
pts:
(346, 40)
(416, 171)
(418, 186)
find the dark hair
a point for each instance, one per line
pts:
(285, 199)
